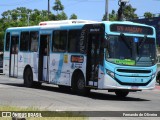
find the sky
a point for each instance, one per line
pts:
(84, 9)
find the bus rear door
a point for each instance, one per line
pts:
(95, 53)
(44, 51)
(13, 72)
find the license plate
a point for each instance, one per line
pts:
(134, 87)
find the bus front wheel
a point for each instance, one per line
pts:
(158, 78)
(78, 85)
(121, 93)
(28, 78)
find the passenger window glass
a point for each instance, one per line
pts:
(24, 42)
(7, 41)
(59, 41)
(34, 36)
(73, 41)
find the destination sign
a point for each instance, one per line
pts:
(121, 28)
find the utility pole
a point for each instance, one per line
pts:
(28, 18)
(106, 11)
(48, 7)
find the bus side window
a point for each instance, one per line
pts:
(24, 41)
(73, 41)
(34, 36)
(7, 44)
(59, 41)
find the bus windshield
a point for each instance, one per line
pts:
(131, 50)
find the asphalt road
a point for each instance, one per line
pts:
(49, 97)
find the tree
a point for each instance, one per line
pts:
(61, 16)
(58, 6)
(6, 16)
(129, 12)
(73, 16)
(113, 16)
(148, 15)
(14, 15)
(19, 17)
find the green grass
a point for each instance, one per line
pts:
(70, 115)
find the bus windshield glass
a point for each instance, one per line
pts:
(131, 51)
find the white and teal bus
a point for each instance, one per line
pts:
(116, 56)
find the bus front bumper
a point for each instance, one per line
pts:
(110, 83)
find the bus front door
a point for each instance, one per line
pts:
(43, 69)
(13, 72)
(95, 54)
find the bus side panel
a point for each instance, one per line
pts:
(33, 60)
(22, 62)
(71, 62)
(59, 71)
(14, 65)
(55, 65)
(25, 59)
(66, 70)
(6, 60)
(62, 67)
(101, 76)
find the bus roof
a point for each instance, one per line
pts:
(64, 22)
(26, 27)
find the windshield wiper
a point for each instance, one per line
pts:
(143, 41)
(139, 47)
(125, 41)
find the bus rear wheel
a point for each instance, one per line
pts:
(121, 93)
(28, 78)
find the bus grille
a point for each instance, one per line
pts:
(133, 71)
(138, 74)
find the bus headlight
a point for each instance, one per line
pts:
(110, 73)
(153, 75)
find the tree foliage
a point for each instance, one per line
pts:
(129, 12)
(113, 16)
(22, 16)
(61, 16)
(148, 15)
(58, 6)
(73, 16)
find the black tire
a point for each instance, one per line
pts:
(158, 78)
(121, 93)
(28, 78)
(78, 85)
